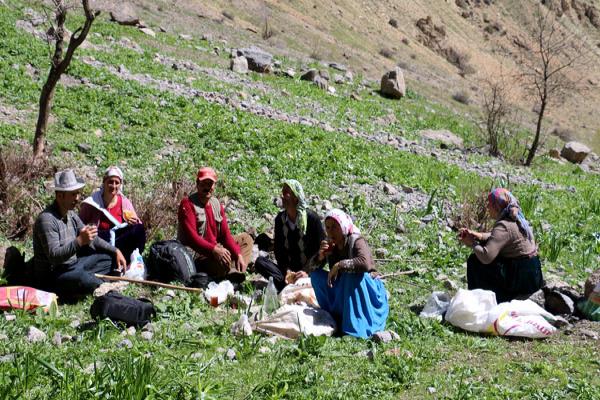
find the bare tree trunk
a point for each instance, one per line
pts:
(58, 67)
(536, 139)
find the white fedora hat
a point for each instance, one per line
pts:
(66, 181)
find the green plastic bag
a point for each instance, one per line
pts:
(590, 307)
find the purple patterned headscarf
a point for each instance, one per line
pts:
(508, 205)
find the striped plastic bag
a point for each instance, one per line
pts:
(28, 299)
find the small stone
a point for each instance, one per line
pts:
(196, 356)
(389, 189)
(427, 219)
(162, 29)
(450, 285)
(185, 37)
(590, 334)
(75, 324)
(239, 65)
(122, 69)
(265, 170)
(147, 335)
(326, 206)
(560, 322)
(366, 353)
(148, 32)
(400, 228)
(331, 89)
(125, 343)
(170, 293)
(3, 337)
(7, 358)
(130, 331)
(431, 390)
(355, 96)
(10, 317)
(381, 252)
(264, 350)
(149, 327)
(98, 133)
(84, 147)
(57, 339)
(35, 335)
(385, 336)
(407, 189)
(230, 354)
(538, 298)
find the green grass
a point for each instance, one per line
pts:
(186, 359)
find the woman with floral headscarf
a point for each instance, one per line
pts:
(356, 299)
(298, 234)
(114, 215)
(504, 260)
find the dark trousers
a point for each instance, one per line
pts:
(78, 278)
(268, 268)
(508, 278)
(128, 239)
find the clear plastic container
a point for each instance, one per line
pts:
(271, 302)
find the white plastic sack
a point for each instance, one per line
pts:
(477, 311)
(217, 294)
(299, 292)
(521, 318)
(293, 319)
(436, 305)
(241, 327)
(469, 309)
(137, 269)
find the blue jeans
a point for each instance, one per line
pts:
(78, 278)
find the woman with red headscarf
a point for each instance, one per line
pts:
(504, 260)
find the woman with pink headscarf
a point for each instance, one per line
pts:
(504, 260)
(356, 299)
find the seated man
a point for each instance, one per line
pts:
(202, 226)
(66, 252)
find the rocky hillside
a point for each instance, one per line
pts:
(446, 48)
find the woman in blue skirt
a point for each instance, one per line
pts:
(349, 291)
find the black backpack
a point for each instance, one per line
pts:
(168, 261)
(120, 308)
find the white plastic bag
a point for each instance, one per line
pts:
(299, 292)
(137, 269)
(217, 294)
(241, 327)
(436, 305)
(469, 309)
(293, 319)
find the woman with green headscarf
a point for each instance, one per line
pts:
(298, 234)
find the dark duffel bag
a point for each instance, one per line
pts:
(169, 260)
(120, 308)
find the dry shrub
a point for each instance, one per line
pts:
(473, 212)
(459, 59)
(158, 207)
(462, 97)
(22, 196)
(387, 53)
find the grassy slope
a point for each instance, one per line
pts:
(184, 358)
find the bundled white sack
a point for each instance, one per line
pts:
(299, 292)
(137, 269)
(477, 311)
(293, 319)
(469, 309)
(217, 294)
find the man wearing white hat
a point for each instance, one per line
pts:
(66, 252)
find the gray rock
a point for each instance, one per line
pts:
(392, 84)
(3, 337)
(258, 59)
(381, 252)
(34, 335)
(349, 76)
(538, 298)
(9, 317)
(185, 37)
(447, 138)
(230, 354)
(170, 293)
(125, 343)
(337, 78)
(449, 284)
(338, 67)
(591, 282)
(385, 336)
(84, 147)
(575, 152)
(590, 334)
(400, 228)
(310, 75)
(560, 322)
(427, 219)
(130, 331)
(148, 32)
(123, 18)
(389, 189)
(149, 327)
(326, 205)
(7, 358)
(57, 339)
(147, 335)
(559, 304)
(239, 65)
(407, 189)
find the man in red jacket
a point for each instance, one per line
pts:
(202, 226)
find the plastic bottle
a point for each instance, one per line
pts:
(271, 302)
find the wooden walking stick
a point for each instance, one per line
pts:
(148, 283)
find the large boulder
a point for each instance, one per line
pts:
(239, 65)
(123, 17)
(258, 59)
(575, 152)
(445, 137)
(392, 84)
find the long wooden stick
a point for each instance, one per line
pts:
(398, 273)
(148, 283)
(401, 259)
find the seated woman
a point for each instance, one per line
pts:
(504, 260)
(114, 215)
(356, 299)
(298, 234)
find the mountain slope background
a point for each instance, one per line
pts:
(371, 37)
